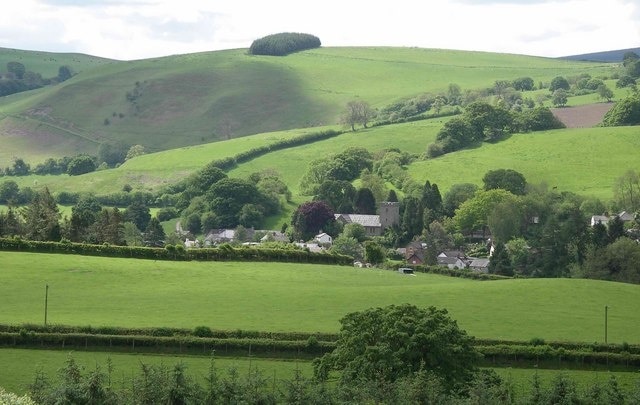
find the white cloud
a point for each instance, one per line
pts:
(146, 28)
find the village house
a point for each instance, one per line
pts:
(323, 239)
(479, 265)
(414, 253)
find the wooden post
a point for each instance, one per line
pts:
(46, 303)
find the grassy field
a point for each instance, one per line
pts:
(584, 161)
(298, 297)
(198, 98)
(20, 366)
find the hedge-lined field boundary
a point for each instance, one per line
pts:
(170, 252)
(202, 340)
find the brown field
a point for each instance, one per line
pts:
(584, 116)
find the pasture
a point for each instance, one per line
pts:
(585, 161)
(300, 297)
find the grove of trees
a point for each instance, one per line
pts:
(283, 44)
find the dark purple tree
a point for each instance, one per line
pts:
(311, 217)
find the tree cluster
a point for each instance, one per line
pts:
(357, 112)
(343, 166)
(283, 44)
(624, 112)
(212, 200)
(90, 222)
(483, 122)
(17, 78)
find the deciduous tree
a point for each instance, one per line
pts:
(385, 344)
(310, 217)
(506, 179)
(357, 112)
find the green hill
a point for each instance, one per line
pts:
(175, 101)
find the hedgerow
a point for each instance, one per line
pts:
(209, 254)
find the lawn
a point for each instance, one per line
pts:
(301, 297)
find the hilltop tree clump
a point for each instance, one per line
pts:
(283, 44)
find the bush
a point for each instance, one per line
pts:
(202, 331)
(283, 44)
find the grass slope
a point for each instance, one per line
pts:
(299, 297)
(585, 161)
(48, 63)
(152, 171)
(197, 98)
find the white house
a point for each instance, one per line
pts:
(323, 239)
(191, 243)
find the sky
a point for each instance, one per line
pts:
(139, 29)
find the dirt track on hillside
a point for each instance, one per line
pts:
(584, 116)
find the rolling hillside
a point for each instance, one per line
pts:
(194, 99)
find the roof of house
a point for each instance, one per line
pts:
(219, 234)
(364, 220)
(452, 253)
(449, 260)
(313, 247)
(479, 263)
(322, 235)
(625, 216)
(275, 236)
(603, 219)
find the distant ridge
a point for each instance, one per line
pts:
(605, 56)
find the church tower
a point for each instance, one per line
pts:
(389, 214)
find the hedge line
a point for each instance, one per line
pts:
(180, 344)
(535, 345)
(511, 353)
(200, 331)
(173, 253)
(499, 353)
(242, 157)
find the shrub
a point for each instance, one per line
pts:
(202, 331)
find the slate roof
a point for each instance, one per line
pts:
(479, 263)
(364, 220)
